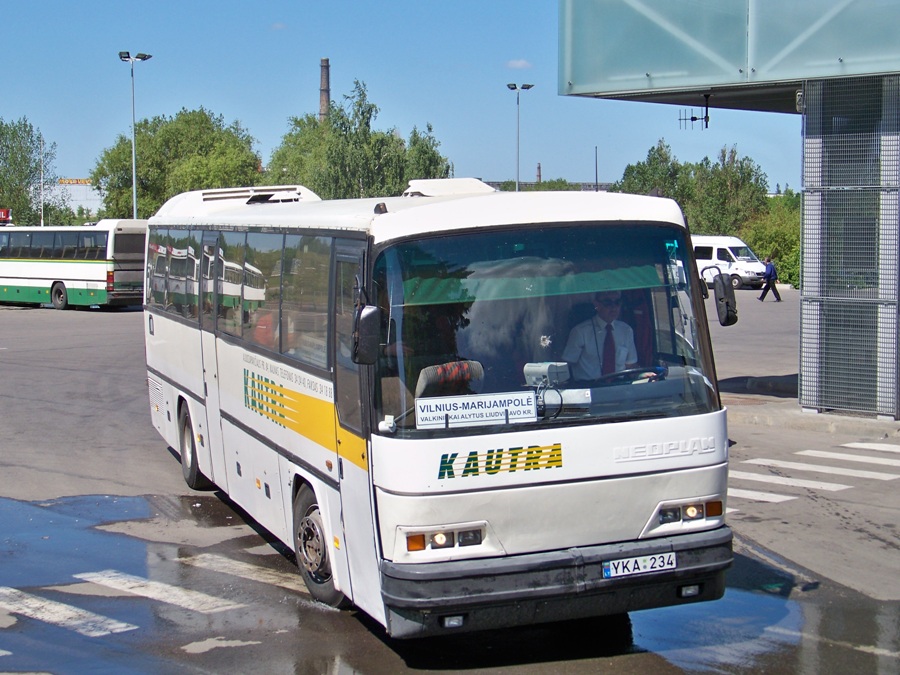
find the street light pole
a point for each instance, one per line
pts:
(517, 88)
(127, 57)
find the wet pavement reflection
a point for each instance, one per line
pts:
(155, 584)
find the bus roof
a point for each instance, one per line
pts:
(428, 206)
(117, 224)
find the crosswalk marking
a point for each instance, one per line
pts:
(759, 496)
(881, 461)
(59, 614)
(880, 447)
(217, 563)
(821, 468)
(155, 590)
(792, 482)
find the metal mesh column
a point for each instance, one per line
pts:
(851, 219)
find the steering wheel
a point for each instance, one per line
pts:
(632, 375)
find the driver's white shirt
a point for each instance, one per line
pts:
(584, 350)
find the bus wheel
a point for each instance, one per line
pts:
(189, 466)
(736, 282)
(312, 549)
(58, 296)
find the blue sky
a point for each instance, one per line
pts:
(443, 63)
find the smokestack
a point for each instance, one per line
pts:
(539, 173)
(324, 90)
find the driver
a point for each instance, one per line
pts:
(602, 345)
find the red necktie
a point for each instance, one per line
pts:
(609, 352)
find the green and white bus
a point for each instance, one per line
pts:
(94, 264)
(392, 399)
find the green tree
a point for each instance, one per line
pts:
(21, 162)
(726, 194)
(660, 174)
(776, 233)
(192, 151)
(344, 156)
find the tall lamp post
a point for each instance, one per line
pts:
(128, 58)
(517, 88)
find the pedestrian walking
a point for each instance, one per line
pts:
(770, 277)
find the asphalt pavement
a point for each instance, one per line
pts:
(757, 365)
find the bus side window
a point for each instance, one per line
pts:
(304, 299)
(230, 271)
(262, 288)
(4, 245)
(19, 244)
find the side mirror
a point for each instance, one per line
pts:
(726, 305)
(366, 337)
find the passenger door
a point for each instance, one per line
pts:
(209, 298)
(352, 447)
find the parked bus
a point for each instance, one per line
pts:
(94, 264)
(396, 407)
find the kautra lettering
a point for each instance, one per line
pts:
(509, 460)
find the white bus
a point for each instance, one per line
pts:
(397, 409)
(93, 264)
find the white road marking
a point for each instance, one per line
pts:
(60, 614)
(866, 649)
(217, 563)
(156, 590)
(880, 447)
(819, 468)
(793, 482)
(759, 496)
(881, 461)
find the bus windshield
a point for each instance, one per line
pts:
(501, 328)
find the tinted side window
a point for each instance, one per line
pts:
(92, 245)
(230, 279)
(262, 288)
(180, 269)
(304, 301)
(4, 244)
(723, 255)
(19, 244)
(65, 244)
(703, 252)
(42, 245)
(156, 268)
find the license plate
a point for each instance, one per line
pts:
(643, 564)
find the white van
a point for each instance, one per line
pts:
(733, 258)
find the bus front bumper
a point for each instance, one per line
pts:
(469, 595)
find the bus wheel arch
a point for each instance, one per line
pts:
(187, 446)
(312, 549)
(59, 296)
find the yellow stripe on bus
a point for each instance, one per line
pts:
(308, 416)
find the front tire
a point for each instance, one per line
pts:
(59, 296)
(312, 550)
(190, 469)
(736, 282)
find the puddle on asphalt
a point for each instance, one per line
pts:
(768, 620)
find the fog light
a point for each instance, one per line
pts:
(693, 512)
(442, 540)
(691, 591)
(669, 515)
(469, 538)
(453, 621)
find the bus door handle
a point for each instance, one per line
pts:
(150, 322)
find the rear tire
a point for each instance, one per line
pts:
(59, 296)
(188, 448)
(736, 282)
(312, 550)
